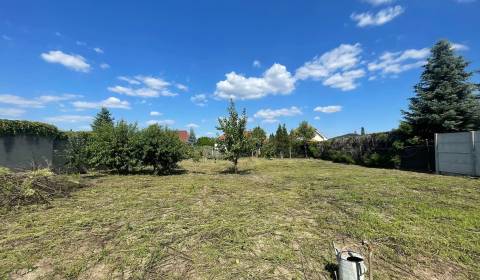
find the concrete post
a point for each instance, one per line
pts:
(437, 158)
(474, 155)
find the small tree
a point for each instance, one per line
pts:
(259, 136)
(161, 148)
(305, 133)
(76, 152)
(206, 141)
(282, 140)
(192, 139)
(445, 99)
(362, 131)
(104, 117)
(234, 141)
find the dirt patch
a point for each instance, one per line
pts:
(39, 271)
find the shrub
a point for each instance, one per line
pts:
(76, 153)
(162, 148)
(341, 157)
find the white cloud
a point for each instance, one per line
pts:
(80, 43)
(342, 58)
(328, 109)
(153, 82)
(152, 87)
(104, 66)
(256, 63)
(181, 87)
(69, 119)
(380, 18)
(276, 80)
(37, 102)
(460, 47)
(98, 50)
(192, 125)
(155, 113)
(71, 61)
(161, 122)
(336, 68)
(270, 116)
(378, 2)
(129, 80)
(317, 118)
(344, 81)
(11, 112)
(398, 62)
(199, 99)
(111, 102)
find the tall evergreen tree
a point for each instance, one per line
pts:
(281, 140)
(445, 98)
(192, 138)
(234, 140)
(104, 117)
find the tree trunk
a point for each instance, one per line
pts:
(235, 162)
(305, 149)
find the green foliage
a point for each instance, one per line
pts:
(103, 118)
(162, 148)
(282, 141)
(115, 147)
(341, 157)
(14, 127)
(206, 141)
(305, 133)
(77, 152)
(445, 98)
(192, 138)
(259, 136)
(234, 141)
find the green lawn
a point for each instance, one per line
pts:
(275, 220)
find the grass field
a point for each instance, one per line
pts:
(275, 220)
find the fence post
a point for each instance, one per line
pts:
(474, 155)
(437, 159)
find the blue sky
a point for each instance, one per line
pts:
(340, 65)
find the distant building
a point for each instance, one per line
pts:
(319, 137)
(183, 135)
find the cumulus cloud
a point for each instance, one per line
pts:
(380, 18)
(276, 80)
(270, 115)
(398, 62)
(104, 66)
(11, 112)
(192, 125)
(181, 87)
(256, 63)
(71, 61)
(69, 119)
(337, 68)
(37, 102)
(161, 122)
(143, 86)
(155, 113)
(328, 109)
(199, 99)
(98, 50)
(378, 2)
(460, 47)
(111, 102)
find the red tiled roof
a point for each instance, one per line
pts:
(183, 135)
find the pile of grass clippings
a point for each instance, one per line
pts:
(33, 187)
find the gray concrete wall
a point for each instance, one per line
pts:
(456, 154)
(24, 152)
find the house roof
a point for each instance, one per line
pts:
(183, 135)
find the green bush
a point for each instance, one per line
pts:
(161, 148)
(341, 157)
(77, 153)
(15, 127)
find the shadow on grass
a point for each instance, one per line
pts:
(239, 172)
(332, 269)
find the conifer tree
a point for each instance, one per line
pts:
(445, 99)
(104, 117)
(192, 138)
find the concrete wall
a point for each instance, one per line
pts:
(455, 153)
(25, 152)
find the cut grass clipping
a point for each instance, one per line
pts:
(33, 187)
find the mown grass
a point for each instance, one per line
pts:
(275, 220)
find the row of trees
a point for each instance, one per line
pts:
(123, 147)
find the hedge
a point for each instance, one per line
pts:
(14, 127)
